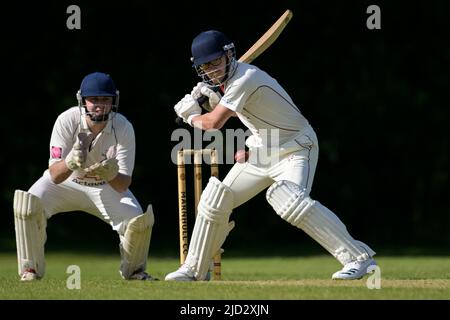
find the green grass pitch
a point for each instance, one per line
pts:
(276, 278)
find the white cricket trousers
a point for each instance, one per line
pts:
(248, 179)
(101, 201)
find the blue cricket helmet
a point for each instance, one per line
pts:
(98, 84)
(209, 45)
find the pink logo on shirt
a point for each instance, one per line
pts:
(56, 152)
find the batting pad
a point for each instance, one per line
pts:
(211, 226)
(135, 243)
(321, 224)
(30, 224)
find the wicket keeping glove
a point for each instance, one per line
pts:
(77, 156)
(106, 170)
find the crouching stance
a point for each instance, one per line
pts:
(92, 151)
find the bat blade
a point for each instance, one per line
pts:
(267, 39)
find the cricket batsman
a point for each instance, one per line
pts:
(283, 155)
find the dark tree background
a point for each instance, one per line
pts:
(378, 100)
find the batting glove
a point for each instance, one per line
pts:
(187, 108)
(202, 89)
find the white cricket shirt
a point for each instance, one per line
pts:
(263, 106)
(118, 132)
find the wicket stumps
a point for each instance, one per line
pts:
(182, 198)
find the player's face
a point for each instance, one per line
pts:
(215, 69)
(98, 106)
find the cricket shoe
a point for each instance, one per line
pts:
(184, 273)
(29, 275)
(355, 270)
(142, 275)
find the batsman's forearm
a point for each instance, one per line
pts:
(214, 119)
(206, 122)
(59, 172)
(121, 182)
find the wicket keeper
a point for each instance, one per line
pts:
(92, 153)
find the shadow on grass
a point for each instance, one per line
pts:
(110, 246)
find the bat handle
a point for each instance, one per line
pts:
(204, 99)
(179, 121)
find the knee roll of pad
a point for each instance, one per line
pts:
(289, 201)
(142, 222)
(216, 200)
(135, 243)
